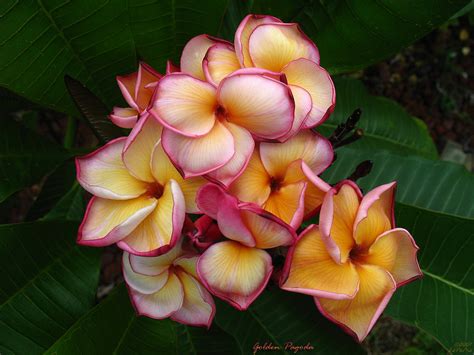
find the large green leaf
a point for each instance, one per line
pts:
(434, 185)
(113, 327)
(386, 124)
(47, 283)
(442, 302)
(280, 318)
(25, 157)
(352, 34)
(42, 41)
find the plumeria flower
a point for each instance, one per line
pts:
(168, 286)
(238, 269)
(268, 43)
(205, 126)
(140, 199)
(354, 261)
(137, 89)
(282, 177)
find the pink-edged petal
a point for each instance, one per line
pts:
(309, 269)
(156, 265)
(198, 307)
(357, 316)
(215, 202)
(124, 117)
(103, 173)
(143, 92)
(108, 221)
(194, 52)
(139, 147)
(160, 231)
(161, 304)
(274, 45)
(258, 103)
(287, 203)
(244, 146)
(234, 272)
(336, 220)
(317, 81)
(395, 251)
(375, 215)
(253, 185)
(201, 155)
(127, 84)
(185, 104)
(171, 68)
(315, 150)
(315, 191)
(163, 171)
(219, 62)
(246, 27)
(142, 283)
(206, 233)
(188, 263)
(303, 105)
(267, 230)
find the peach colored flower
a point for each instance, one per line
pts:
(140, 200)
(354, 261)
(238, 269)
(168, 286)
(137, 89)
(282, 177)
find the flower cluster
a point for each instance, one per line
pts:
(229, 135)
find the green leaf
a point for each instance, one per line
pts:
(58, 183)
(42, 41)
(279, 318)
(113, 327)
(433, 185)
(386, 124)
(70, 207)
(354, 34)
(93, 110)
(47, 284)
(25, 157)
(441, 303)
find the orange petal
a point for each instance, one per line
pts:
(198, 307)
(108, 221)
(272, 46)
(254, 183)
(309, 269)
(315, 80)
(124, 117)
(163, 171)
(201, 155)
(139, 147)
(243, 33)
(160, 231)
(185, 104)
(244, 146)
(258, 103)
(194, 52)
(395, 251)
(220, 61)
(143, 93)
(104, 174)
(161, 304)
(375, 215)
(287, 203)
(315, 150)
(338, 213)
(234, 272)
(267, 230)
(357, 316)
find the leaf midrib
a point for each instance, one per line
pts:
(449, 283)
